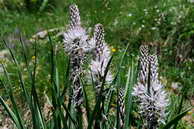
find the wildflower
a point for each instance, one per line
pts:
(74, 41)
(153, 60)
(75, 37)
(143, 63)
(33, 57)
(76, 32)
(113, 50)
(151, 105)
(154, 28)
(74, 16)
(102, 56)
(130, 14)
(189, 113)
(149, 91)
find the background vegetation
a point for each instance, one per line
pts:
(167, 24)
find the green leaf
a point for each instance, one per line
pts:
(120, 64)
(12, 115)
(95, 116)
(177, 118)
(128, 94)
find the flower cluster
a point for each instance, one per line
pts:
(76, 36)
(102, 56)
(77, 44)
(74, 40)
(149, 91)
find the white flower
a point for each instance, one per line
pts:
(145, 10)
(76, 36)
(77, 33)
(153, 103)
(130, 14)
(149, 92)
(75, 43)
(101, 58)
(154, 28)
(90, 45)
(75, 19)
(4, 54)
(98, 65)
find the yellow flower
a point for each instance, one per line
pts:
(33, 57)
(189, 113)
(113, 50)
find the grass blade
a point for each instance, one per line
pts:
(12, 115)
(128, 95)
(97, 109)
(177, 118)
(120, 64)
(10, 92)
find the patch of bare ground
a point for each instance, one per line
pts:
(189, 118)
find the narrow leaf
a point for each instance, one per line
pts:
(177, 118)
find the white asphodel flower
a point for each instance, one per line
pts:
(78, 33)
(76, 36)
(98, 65)
(152, 105)
(102, 56)
(70, 37)
(75, 39)
(149, 91)
(77, 44)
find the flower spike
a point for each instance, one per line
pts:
(101, 58)
(153, 59)
(74, 16)
(143, 63)
(149, 91)
(75, 43)
(99, 39)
